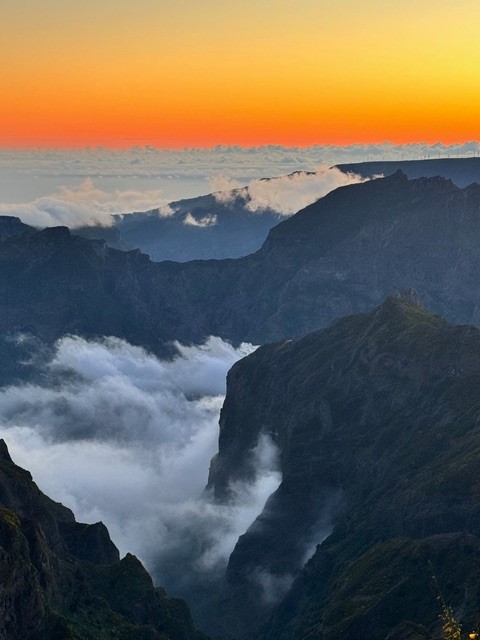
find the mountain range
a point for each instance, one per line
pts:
(341, 255)
(224, 225)
(234, 223)
(370, 399)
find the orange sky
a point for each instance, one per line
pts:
(176, 73)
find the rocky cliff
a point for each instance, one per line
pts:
(377, 420)
(62, 580)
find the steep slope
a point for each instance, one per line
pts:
(341, 255)
(377, 420)
(64, 580)
(462, 171)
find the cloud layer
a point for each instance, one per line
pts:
(287, 194)
(240, 163)
(84, 205)
(104, 181)
(121, 436)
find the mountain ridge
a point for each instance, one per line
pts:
(377, 425)
(338, 256)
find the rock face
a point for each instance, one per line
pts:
(341, 255)
(377, 420)
(62, 580)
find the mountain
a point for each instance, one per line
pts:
(221, 225)
(218, 225)
(63, 580)
(12, 226)
(462, 171)
(341, 255)
(377, 422)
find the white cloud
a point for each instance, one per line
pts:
(121, 436)
(221, 183)
(287, 194)
(237, 162)
(84, 204)
(27, 175)
(209, 220)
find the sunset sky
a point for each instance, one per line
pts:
(175, 73)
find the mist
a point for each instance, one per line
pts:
(287, 194)
(85, 204)
(120, 436)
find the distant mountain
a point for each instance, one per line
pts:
(211, 226)
(63, 580)
(341, 255)
(12, 226)
(377, 421)
(462, 171)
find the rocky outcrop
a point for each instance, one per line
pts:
(377, 420)
(61, 580)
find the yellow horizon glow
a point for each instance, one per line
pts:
(205, 72)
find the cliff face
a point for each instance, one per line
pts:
(377, 419)
(64, 580)
(341, 255)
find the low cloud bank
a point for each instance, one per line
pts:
(240, 163)
(84, 205)
(287, 194)
(118, 435)
(124, 177)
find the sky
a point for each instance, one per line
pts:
(187, 73)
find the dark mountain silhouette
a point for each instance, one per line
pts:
(64, 580)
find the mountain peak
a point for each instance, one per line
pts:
(4, 453)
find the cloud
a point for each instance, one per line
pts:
(273, 587)
(202, 221)
(28, 175)
(118, 435)
(287, 194)
(240, 163)
(83, 205)
(221, 183)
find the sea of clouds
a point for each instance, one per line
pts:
(80, 187)
(118, 435)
